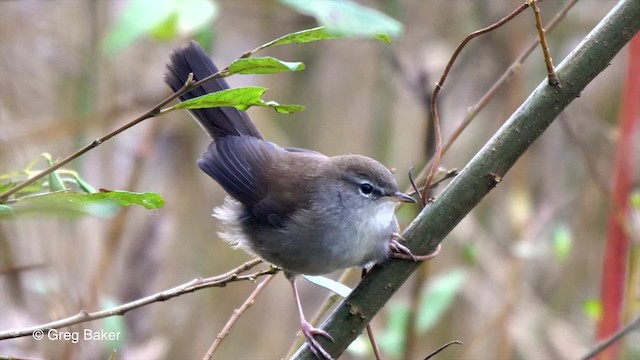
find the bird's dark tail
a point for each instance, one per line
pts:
(218, 122)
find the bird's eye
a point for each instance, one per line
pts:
(366, 189)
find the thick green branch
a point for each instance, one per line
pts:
(483, 173)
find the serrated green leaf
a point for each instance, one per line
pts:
(304, 36)
(240, 98)
(343, 17)
(263, 65)
(332, 285)
(148, 200)
(70, 204)
(438, 298)
(561, 242)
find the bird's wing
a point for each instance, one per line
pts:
(238, 164)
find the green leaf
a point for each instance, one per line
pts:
(8, 185)
(392, 339)
(148, 200)
(281, 108)
(343, 17)
(70, 204)
(163, 19)
(5, 210)
(35, 187)
(438, 298)
(304, 36)
(263, 65)
(194, 15)
(562, 242)
(240, 98)
(470, 253)
(336, 287)
(167, 29)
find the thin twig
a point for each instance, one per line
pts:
(191, 286)
(236, 315)
(493, 90)
(435, 161)
(372, 338)
(442, 348)
(587, 158)
(548, 61)
(413, 185)
(113, 236)
(633, 325)
(153, 112)
(374, 344)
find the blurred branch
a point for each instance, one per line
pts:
(191, 286)
(633, 325)
(190, 84)
(442, 348)
(113, 235)
(583, 148)
(435, 161)
(236, 315)
(482, 173)
(493, 90)
(153, 112)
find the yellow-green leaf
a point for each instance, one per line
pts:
(263, 65)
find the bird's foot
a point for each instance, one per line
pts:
(399, 251)
(309, 332)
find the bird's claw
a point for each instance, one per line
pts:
(399, 251)
(309, 332)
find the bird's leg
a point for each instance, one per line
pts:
(399, 251)
(308, 330)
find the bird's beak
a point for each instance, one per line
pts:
(401, 197)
